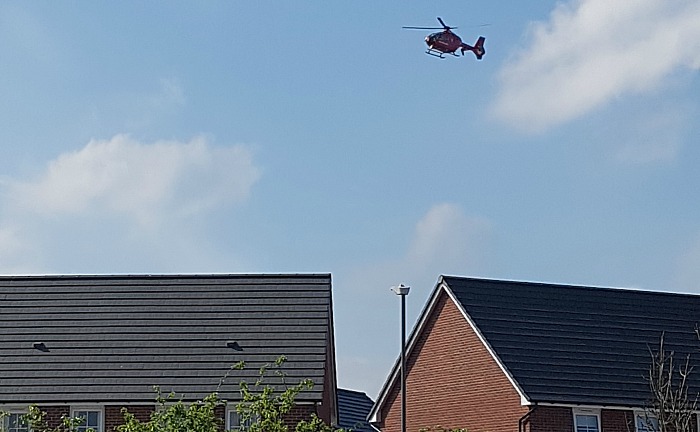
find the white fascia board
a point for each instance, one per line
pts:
(523, 398)
(373, 416)
(418, 329)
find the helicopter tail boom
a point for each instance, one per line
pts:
(477, 49)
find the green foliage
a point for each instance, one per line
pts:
(35, 418)
(315, 424)
(173, 415)
(262, 408)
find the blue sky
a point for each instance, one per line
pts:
(246, 137)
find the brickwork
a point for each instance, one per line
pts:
(561, 419)
(453, 381)
(53, 414)
(324, 410)
(551, 419)
(616, 421)
(114, 417)
(298, 413)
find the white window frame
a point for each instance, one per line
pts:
(230, 412)
(586, 412)
(644, 414)
(87, 408)
(12, 412)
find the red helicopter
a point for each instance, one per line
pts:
(446, 42)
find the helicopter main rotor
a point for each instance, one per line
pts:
(444, 26)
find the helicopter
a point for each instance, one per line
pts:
(446, 42)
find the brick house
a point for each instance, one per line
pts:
(505, 356)
(89, 345)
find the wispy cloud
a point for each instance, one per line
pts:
(592, 51)
(444, 241)
(118, 195)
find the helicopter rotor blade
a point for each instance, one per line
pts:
(445, 26)
(422, 28)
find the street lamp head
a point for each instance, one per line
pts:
(401, 289)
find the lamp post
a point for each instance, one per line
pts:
(402, 291)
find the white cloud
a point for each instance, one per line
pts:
(592, 51)
(444, 241)
(146, 182)
(119, 203)
(447, 240)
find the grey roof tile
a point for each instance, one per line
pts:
(111, 338)
(353, 408)
(573, 344)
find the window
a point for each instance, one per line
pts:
(14, 422)
(646, 422)
(587, 420)
(92, 419)
(235, 421)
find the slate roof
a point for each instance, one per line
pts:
(579, 345)
(112, 338)
(572, 345)
(353, 408)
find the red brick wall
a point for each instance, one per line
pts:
(53, 414)
(617, 421)
(551, 419)
(561, 419)
(453, 381)
(298, 413)
(324, 410)
(114, 417)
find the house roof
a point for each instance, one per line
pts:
(112, 338)
(572, 345)
(353, 408)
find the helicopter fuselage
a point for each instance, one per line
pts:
(443, 42)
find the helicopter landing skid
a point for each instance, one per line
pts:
(438, 54)
(433, 53)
